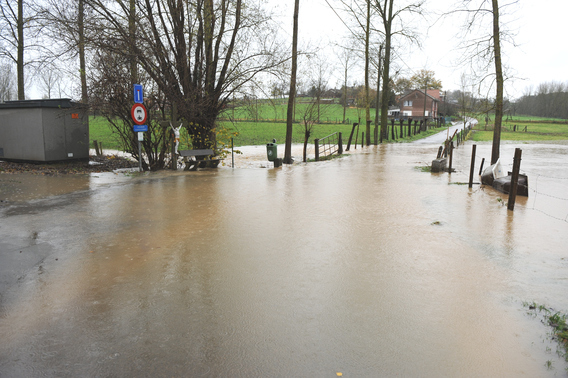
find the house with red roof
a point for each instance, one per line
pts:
(412, 104)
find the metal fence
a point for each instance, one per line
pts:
(329, 145)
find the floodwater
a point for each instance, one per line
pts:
(364, 266)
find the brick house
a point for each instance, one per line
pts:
(412, 104)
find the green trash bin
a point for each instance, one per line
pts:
(272, 150)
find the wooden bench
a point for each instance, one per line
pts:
(193, 164)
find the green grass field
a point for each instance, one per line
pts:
(100, 130)
(258, 133)
(275, 111)
(537, 129)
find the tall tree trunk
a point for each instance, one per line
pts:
(82, 65)
(367, 58)
(290, 113)
(378, 91)
(387, 20)
(499, 82)
(132, 36)
(20, 63)
(345, 92)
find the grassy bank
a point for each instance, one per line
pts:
(100, 130)
(524, 129)
(258, 133)
(275, 111)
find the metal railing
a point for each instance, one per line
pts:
(329, 145)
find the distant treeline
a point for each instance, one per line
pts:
(548, 100)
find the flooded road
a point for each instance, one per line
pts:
(364, 266)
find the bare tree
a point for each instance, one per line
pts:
(194, 55)
(347, 63)
(7, 90)
(12, 24)
(392, 23)
(292, 94)
(546, 100)
(361, 13)
(49, 80)
(484, 52)
(499, 83)
(65, 24)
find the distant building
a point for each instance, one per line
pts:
(394, 112)
(412, 104)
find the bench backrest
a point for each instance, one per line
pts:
(196, 152)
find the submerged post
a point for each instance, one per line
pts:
(339, 144)
(317, 148)
(351, 136)
(473, 148)
(481, 168)
(514, 179)
(451, 156)
(140, 139)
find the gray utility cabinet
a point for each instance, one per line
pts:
(43, 131)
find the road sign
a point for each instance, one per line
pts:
(138, 94)
(139, 114)
(139, 128)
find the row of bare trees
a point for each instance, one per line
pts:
(546, 100)
(191, 57)
(393, 18)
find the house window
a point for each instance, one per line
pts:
(408, 103)
(407, 113)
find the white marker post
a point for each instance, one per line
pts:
(140, 139)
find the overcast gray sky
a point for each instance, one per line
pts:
(541, 54)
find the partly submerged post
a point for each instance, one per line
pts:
(232, 153)
(351, 136)
(440, 150)
(451, 156)
(317, 148)
(473, 148)
(514, 179)
(481, 168)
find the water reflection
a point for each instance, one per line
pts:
(363, 265)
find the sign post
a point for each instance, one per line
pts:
(140, 139)
(139, 116)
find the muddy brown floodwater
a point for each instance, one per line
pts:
(364, 266)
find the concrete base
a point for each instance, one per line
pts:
(439, 165)
(277, 162)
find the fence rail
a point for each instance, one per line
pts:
(328, 145)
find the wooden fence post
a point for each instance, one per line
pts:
(351, 137)
(340, 145)
(472, 166)
(451, 156)
(392, 129)
(317, 147)
(481, 168)
(514, 179)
